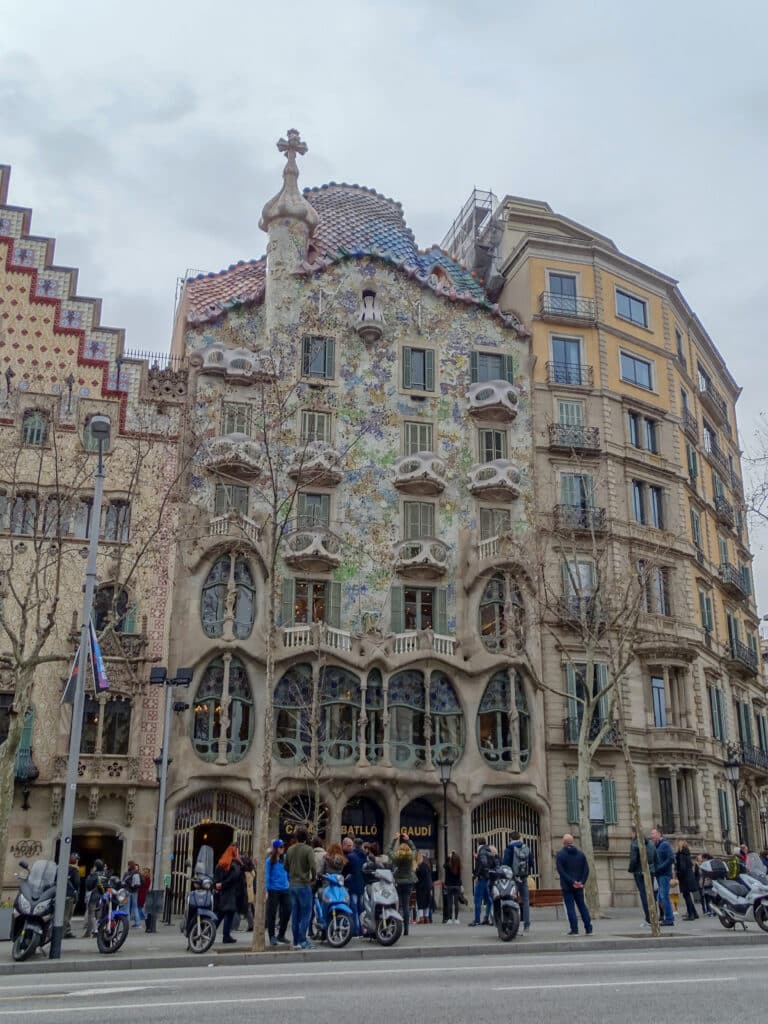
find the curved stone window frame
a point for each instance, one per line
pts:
(495, 723)
(223, 698)
(448, 724)
(338, 710)
(340, 704)
(494, 630)
(292, 703)
(407, 719)
(214, 595)
(374, 717)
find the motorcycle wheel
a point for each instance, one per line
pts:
(761, 916)
(339, 929)
(25, 944)
(389, 931)
(315, 932)
(202, 935)
(726, 922)
(110, 935)
(508, 924)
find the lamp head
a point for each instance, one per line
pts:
(157, 675)
(183, 676)
(444, 767)
(99, 427)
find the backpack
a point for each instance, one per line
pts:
(135, 882)
(521, 860)
(484, 862)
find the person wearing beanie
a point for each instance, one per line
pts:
(278, 894)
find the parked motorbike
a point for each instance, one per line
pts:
(332, 918)
(506, 909)
(112, 929)
(200, 922)
(738, 900)
(380, 919)
(32, 915)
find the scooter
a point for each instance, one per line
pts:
(332, 920)
(112, 929)
(742, 899)
(200, 922)
(506, 909)
(32, 915)
(380, 919)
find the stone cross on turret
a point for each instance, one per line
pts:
(289, 203)
(293, 146)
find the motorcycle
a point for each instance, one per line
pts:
(32, 915)
(738, 900)
(200, 922)
(332, 919)
(112, 929)
(506, 909)
(380, 919)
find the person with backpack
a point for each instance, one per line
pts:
(132, 882)
(518, 856)
(485, 861)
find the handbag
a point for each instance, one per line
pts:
(532, 883)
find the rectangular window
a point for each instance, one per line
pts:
(652, 436)
(576, 490)
(656, 499)
(629, 307)
(417, 437)
(722, 547)
(684, 400)
(660, 591)
(562, 293)
(746, 575)
(679, 346)
(492, 445)
(659, 696)
(236, 418)
(418, 369)
(717, 713)
(315, 426)
(667, 807)
(309, 601)
(494, 522)
(313, 510)
(570, 414)
(635, 370)
(718, 487)
(578, 578)
(638, 501)
(566, 361)
(762, 733)
(634, 421)
(485, 366)
(643, 432)
(117, 521)
(231, 498)
(418, 606)
(318, 357)
(418, 519)
(710, 437)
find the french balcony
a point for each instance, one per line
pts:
(567, 307)
(724, 511)
(423, 558)
(493, 401)
(234, 455)
(732, 580)
(587, 613)
(690, 425)
(713, 401)
(236, 525)
(316, 634)
(316, 463)
(755, 758)
(585, 440)
(410, 643)
(716, 454)
(572, 375)
(736, 485)
(313, 549)
(498, 480)
(572, 726)
(741, 659)
(580, 519)
(422, 473)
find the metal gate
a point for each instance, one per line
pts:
(212, 806)
(497, 818)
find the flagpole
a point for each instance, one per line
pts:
(99, 426)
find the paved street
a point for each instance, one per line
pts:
(730, 985)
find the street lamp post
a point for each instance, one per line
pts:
(99, 427)
(764, 823)
(158, 676)
(444, 765)
(732, 770)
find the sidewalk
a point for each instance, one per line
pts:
(620, 929)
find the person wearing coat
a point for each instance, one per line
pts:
(423, 890)
(686, 879)
(636, 870)
(228, 878)
(402, 854)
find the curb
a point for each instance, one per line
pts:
(322, 955)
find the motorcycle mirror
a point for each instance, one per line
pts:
(23, 864)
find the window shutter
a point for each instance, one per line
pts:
(429, 370)
(441, 611)
(508, 368)
(721, 715)
(325, 509)
(288, 601)
(427, 517)
(473, 367)
(397, 611)
(412, 520)
(567, 489)
(306, 355)
(713, 713)
(609, 802)
(573, 705)
(486, 523)
(330, 358)
(725, 811)
(601, 681)
(302, 515)
(406, 367)
(333, 605)
(24, 750)
(572, 799)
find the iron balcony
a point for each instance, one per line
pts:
(572, 725)
(724, 510)
(732, 579)
(576, 438)
(713, 400)
(690, 424)
(743, 656)
(571, 374)
(567, 307)
(580, 519)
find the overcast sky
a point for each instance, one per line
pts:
(143, 135)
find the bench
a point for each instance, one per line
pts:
(547, 898)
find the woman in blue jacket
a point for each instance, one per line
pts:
(278, 895)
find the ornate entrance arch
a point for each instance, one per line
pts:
(497, 817)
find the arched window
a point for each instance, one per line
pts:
(208, 712)
(498, 634)
(447, 720)
(292, 704)
(406, 708)
(34, 427)
(213, 606)
(24, 514)
(495, 723)
(109, 608)
(374, 710)
(340, 703)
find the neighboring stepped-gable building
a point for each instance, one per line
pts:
(59, 367)
(383, 401)
(636, 445)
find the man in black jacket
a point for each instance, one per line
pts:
(573, 870)
(636, 869)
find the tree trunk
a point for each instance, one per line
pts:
(591, 889)
(8, 750)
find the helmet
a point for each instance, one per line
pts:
(98, 865)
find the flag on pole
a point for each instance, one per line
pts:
(100, 681)
(68, 697)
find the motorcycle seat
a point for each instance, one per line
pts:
(735, 887)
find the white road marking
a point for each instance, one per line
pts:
(614, 984)
(110, 991)
(149, 1006)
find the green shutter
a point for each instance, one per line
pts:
(330, 358)
(713, 713)
(721, 714)
(24, 749)
(406, 367)
(573, 705)
(474, 371)
(128, 624)
(725, 811)
(333, 605)
(427, 517)
(572, 799)
(508, 368)
(441, 611)
(288, 601)
(397, 610)
(609, 802)
(693, 464)
(325, 509)
(601, 681)
(302, 516)
(429, 370)
(412, 514)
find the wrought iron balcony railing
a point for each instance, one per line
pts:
(718, 456)
(572, 374)
(744, 655)
(733, 579)
(581, 611)
(712, 398)
(724, 510)
(583, 439)
(580, 519)
(573, 307)
(599, 835)
(690, 424)
(754, 757)
(572, 725)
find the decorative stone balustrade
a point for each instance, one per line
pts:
(313, 549)
(234, 524)
(422, 473)
(498, 480)
(494, 401)
(409, 643)
(234, 454)
(314, 634)
(424, 558)
(316, 463)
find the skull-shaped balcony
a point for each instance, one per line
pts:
(498, 480)
(422, 473)
(423, 558)
(493, 401)
(313, 549)
(234, 455)
(240, 364)
(316, 463)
